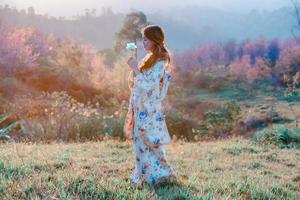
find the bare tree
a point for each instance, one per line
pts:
(296, 8)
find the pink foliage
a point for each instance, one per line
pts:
(202, 57)
(97, 73)
(257, 48)
(289, 60)
(239, 68)
(83, 61)
(243, 70)
(259, 70)
(21, 47)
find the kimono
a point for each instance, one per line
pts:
(145, 124)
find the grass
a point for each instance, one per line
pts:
(224, 169)
(280, 135)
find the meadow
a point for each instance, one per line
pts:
(225, 169)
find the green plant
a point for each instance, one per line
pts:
(280, 135)
(7, 129)
(222, 120)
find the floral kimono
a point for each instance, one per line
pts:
(145, 124)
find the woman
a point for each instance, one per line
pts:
(145, 121)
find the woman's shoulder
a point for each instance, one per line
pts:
(158, 65)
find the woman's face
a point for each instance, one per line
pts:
(148, 45)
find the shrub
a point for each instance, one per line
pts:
(221, 121)
(58, 116)
(279, 135)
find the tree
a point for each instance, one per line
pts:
(296, 5)
(255, 49)
(239, 68)
(31, 11)
(289, 61)
(230, 49)
(131, 29)
(21, 47)
(242, 69)
(259, 70)
(273, 52)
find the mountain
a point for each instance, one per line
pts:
(189, 27)
(185, 27)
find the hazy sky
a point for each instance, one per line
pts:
(74, 7)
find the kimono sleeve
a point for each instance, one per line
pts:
(151, 78)
(165, 85)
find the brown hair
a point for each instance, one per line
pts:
(160, 52)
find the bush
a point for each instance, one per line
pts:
(58, 116)
(221, 121)
(279, 135)
(182, 128)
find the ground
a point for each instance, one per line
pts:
(225, 169)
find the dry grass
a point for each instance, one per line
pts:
(224, 169)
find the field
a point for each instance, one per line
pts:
(225, 169)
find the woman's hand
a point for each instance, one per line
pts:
(132, 62)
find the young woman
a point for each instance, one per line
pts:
(145, 120)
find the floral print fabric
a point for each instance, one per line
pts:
(145, 124)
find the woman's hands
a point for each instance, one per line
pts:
(132, 62)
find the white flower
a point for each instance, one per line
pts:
(131, 46)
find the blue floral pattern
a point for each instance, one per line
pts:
(148, 127)
(156, 141)
(143, 115)
(160, 117)
(169, 77)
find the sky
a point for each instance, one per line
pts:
(68, 8)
